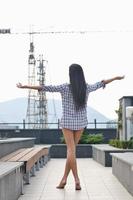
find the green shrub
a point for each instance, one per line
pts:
(88, 138)
(124, 144)
(95, 138)
(114, 142)
(62, 139)
(84, 138)
(111, 142)
(130, 144)
(121, 143)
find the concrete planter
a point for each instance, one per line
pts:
(122, 168)
(12, 144)
(101, 153)
(11, 185)
(82, 151)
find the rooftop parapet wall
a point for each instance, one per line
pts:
(52, 136)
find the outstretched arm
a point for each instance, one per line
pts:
(19, 85)
(113, 79)
(48, 88)
(102, 83)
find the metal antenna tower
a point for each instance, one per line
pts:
(42, 115)
(31, 108)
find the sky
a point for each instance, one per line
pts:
(105, 51)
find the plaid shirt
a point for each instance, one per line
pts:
(71, 118)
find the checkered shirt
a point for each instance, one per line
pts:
(71, 118)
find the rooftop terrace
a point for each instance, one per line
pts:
(98, 183)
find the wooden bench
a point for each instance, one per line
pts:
(33, 158)
(11, 176)
(122, 168)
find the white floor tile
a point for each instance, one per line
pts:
(97, 182)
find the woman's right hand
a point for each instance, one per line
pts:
(19, 85)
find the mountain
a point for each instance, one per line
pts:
(14, 111)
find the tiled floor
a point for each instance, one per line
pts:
(97, 183)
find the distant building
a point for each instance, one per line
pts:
(124, 102)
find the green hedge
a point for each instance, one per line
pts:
(121, 143)
(87, 138)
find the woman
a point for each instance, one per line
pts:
(74, 118)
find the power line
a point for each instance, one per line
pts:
(75, 32)
(8, 31)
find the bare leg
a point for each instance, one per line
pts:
(72, 139)
(69, 139)
(77, 136)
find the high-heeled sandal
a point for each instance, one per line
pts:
(61, 185)
(77, 186)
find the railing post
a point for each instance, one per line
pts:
(23, 123)
(58, 123)
(95, 123)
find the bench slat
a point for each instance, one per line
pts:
(9, 156)
(20, 155)
(34, 152)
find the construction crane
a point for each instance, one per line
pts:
(41, 101)
(31, 107)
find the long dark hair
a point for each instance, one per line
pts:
(77, 85)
